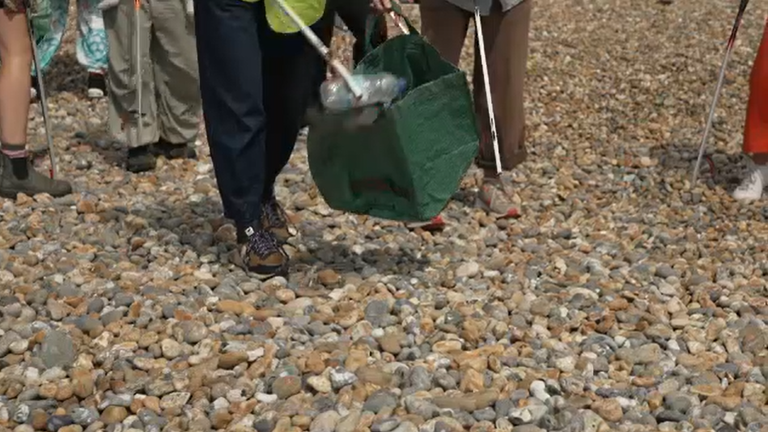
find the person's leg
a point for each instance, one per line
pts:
(92, 45)
(445, 27)
(16, 172)
(756, 127)
(506, 45)
(122, 95)
(176, 79)
(48, 45)
(230, 66)
(287, 94)
(355, 16)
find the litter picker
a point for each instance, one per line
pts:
(718, 88)
(488, 93)
(29, 10)
(138, 70)
(323, 50)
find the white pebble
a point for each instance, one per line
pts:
(266, 398)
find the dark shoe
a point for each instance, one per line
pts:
(174, 151)
(30, 183)
(140, 159)
(275, 220)
(97, 85)
(33, 90)
(262, 255)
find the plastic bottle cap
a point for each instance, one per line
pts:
(402, 86)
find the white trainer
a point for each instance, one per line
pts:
(751, 188)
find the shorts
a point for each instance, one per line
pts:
(12, 5)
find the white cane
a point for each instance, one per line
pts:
(139, 80)
(488, 93)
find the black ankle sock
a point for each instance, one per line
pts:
(17, 153)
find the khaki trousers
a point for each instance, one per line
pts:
(170, 89)
(506, 42)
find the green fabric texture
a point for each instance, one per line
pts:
(407, 164)
(40, 17)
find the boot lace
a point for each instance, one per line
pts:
(275, 215)
(263, 243)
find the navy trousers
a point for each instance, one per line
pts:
(255, 89)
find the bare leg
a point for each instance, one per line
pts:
(15, 80)
(16, 172)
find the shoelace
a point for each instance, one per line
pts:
(276, 215)
(754, 178)
(263, 243)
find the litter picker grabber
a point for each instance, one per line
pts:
(29, 10)
(400, 24)
(323, 50)
(488, 93)
(718, 88)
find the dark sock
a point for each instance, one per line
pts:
(17, 153)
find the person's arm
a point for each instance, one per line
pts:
(383, 6)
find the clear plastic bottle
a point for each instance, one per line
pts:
(377, 88)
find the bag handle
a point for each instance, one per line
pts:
(370, 24)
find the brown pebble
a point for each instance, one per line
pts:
(114, 414)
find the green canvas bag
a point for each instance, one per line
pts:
(407, 164)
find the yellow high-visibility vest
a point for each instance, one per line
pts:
(309, 11)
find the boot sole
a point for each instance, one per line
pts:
(264, 273)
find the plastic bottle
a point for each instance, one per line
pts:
(378, 88)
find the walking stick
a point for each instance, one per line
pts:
(138, 70)
(488, 94)
(41, 87)
(710, 119)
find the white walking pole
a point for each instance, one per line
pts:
(321, 49)
(728, 50)
(139, 79)
(399, 22)
(41, 95)
(488, 94)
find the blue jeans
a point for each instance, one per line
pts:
(255, 90)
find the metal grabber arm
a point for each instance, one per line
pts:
(30, 11)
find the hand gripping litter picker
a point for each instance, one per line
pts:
(488, 93)
(41, 89)
(728, 50)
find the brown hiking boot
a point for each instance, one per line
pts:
(26, 180)
(274, 219)
(262, 255)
